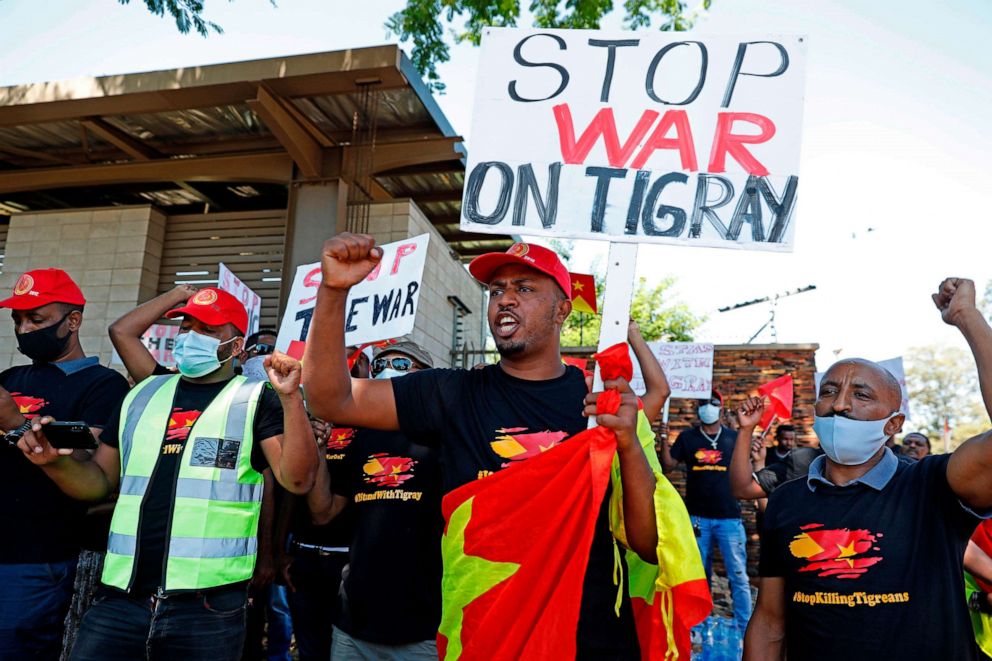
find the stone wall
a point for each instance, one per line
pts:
(113, 254)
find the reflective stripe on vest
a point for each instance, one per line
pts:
(214, 514)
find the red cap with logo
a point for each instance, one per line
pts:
(529, 254)
(215, 307)
(41, 287)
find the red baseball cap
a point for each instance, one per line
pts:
(529, 254)
(41, 287)
(215, 307)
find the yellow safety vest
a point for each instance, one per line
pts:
(217, 497)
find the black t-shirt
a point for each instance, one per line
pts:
(393, 584)
(338, 532)
(41, 523)
(707, 482)
(795, 465)
(190, 401)
(772, 458)
(872, 574)
(466, 413)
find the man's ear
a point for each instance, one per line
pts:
(75, 320)
(894, 426)
(564, 309)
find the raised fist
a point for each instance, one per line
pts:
(955, 298)
(347, 259)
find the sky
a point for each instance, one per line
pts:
(894, 193)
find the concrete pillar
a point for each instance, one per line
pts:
(316, 212)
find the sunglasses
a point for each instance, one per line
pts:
(398, 363)
(260, 349)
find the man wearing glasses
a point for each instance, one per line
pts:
(394, 489)
(258, 345)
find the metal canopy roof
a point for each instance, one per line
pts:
(232, 136)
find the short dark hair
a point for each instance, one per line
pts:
(784, 429)
(916, 433)
(68, 308)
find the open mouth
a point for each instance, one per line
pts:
(506, 325)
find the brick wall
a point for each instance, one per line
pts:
(113, 253)
(444, 276)
(737, 372)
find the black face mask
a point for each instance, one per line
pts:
(44, 345)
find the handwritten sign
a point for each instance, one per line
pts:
(637, 137)
(159, 339)
(688, 367)
(252, 301)
(381, 307)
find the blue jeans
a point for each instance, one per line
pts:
(729, 536)
(34, 599)
(191, 627)
(280, 629)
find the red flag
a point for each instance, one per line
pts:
(515, 547)
(779, 394)
(583, 293)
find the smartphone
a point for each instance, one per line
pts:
(70, 435)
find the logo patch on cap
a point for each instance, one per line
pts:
(518, 249)
(204, 297)
(24, 285)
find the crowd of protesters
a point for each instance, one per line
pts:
(247, 508)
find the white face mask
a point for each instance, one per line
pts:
(850, 442)
(390, 373)
(254, 368)
(709, 414)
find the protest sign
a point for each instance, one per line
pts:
(896, 368)
(159, 339)
(658, 137)
(381, 307)
(230, 283)
(688, 367)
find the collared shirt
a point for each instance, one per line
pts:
(72, 366)
(877, 477)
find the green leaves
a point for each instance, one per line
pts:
(186, 13)
(421, 22)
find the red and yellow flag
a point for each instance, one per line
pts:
(583, 293)
(516, 545)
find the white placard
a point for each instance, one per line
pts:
(896, 368)
(159, 339)
(230, 283)
(662, 137)
(381, 307)
(688, 367)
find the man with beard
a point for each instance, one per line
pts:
(187, 451)
(863, 558)
(530, 394)
(44, 526)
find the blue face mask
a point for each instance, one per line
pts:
(196, 354)
(850, 442)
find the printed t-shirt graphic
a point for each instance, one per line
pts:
(514, 445)
(839, 552)
(29, 406)
(707, 459)
(385, 470)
